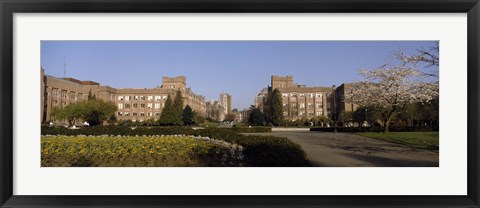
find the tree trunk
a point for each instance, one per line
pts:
(387, 119)
(385, 127)
(386, 124)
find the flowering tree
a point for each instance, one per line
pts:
(388, 89)
(426, 57)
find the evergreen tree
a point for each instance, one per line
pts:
(166, 115)
(188, 116)
(276, 108)
(178, 109)
(256, 117)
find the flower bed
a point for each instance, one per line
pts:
(138, 151)
(259, 151)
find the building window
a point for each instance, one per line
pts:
(294, 105)
(300, 113)
(284, 105)
(302, 95)
(120, 98)
(63, 94)
(127, 105)
(134, 114)
(135, 105)
(150, 98)
(310, 95)
(142, 105)
(310, 106)
(157, 98)
(142, 97)
(120, 106)
(302, 105)
(149, 106)
(285, 113)
(54, 92)
(310, 113)
(319, 113)
(319, 95)
(165, 97)
(157, 105)
(127, 114)
(150, 114)
(135, 97)
(284, 94)
(142, 113)
(127, 98)
(120, 114)
(157, 113)
(319, 105)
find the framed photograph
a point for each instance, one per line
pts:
(239, 104)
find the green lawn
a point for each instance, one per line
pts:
(421, 140)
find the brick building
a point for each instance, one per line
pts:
(300, 101)
(137, 104)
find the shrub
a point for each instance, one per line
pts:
(375, 129)
(253, 129)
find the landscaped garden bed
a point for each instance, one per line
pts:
(138, 151)
(257, 151)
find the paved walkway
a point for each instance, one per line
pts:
(326, 149)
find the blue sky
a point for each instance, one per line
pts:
(240, 68)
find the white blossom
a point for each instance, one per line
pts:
(389, 88)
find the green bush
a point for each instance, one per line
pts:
(259, 151)
(253, 129)
(375, 129)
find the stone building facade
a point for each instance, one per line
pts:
(226, 102)
(137, 104)
(300, 101)
(261, 98)
(218, 109)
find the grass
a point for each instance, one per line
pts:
(421, 140)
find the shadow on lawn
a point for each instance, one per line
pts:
(387, 162)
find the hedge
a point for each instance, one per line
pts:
(259, 151)
(253, 129)
(375, 129)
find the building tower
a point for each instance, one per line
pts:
(226, 102)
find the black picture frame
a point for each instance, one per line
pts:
(10, 7)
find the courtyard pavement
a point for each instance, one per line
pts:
(325, 149)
